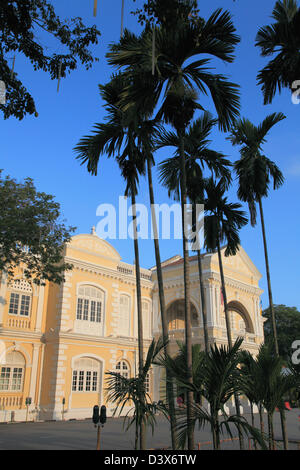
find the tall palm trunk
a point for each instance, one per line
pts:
(229, 335)
(273, 319)
(164, 322)
(271, 432)
(186, 275)
(139, 307)
(261, 419)
(203, 302)
(252, 421)
(201, 283)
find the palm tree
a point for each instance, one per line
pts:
(254, 171)
(250, 385)
(146, 132)
(282, 39)
(273, 384)
(117, 136)
(222, 223)
(132, 392)
(175, 82)
(217, 379)
(198, 157)
(176, 367)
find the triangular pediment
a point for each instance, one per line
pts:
(240, 263)
(92, 244)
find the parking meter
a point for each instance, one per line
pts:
(103, 415)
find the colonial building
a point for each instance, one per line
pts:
(57, 342)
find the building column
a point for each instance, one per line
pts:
(213, 303)
(34, 368)
(209, 305)
(40, 308)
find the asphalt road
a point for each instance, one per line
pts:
(81, 435)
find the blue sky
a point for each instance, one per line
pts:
(42, 147)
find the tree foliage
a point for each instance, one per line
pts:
(32, 235)
(288, 328)
(21, 23)
(281, 41)
(166, 12)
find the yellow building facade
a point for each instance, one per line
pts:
(58, 341)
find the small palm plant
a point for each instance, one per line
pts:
(217, 379)
(273, 384)
(132, 392)
(251, 386)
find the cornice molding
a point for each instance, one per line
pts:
(113, 340)
(107, 272)
(26, 335)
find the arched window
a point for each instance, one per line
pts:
(20, 298)
(86, 375)
(12, 372)
(89, 304)
(124, 317)
(123, 369)
(176, 315)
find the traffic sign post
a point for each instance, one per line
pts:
(63, 408)
(27, 403)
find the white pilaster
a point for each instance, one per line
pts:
(208, 305)
(40, 307)
(34, 368)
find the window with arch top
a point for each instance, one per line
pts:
(90, 310)
(89, 304)
(20, 298)
(86, 375)
(12, 372)
(124, 317)
(123, 369)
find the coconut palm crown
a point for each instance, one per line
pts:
(282, 40)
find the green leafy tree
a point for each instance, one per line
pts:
(32, 235)
(282, 40)
(287, 327)
(21, 24)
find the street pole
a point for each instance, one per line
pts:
(98, 436)
(99, 419)
(63, 408)
(27, 402)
